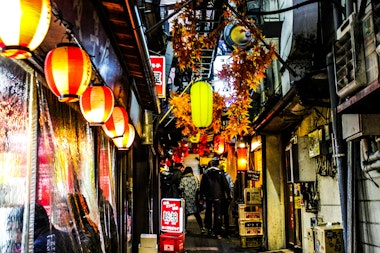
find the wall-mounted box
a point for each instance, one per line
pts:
(358, 125)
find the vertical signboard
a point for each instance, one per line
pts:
(158, 65)
(172, 215)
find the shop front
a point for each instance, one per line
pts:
(55, 164)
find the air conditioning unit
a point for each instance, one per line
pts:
(371, 35)
(349, 58)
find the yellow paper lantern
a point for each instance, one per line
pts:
(125, 142)
(24, 25)
(201, 104)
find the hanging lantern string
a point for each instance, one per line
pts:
(71, 36)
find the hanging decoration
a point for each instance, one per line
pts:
(125, 142)
(24, 25)
(242, 158)
(237, 35)
(201, 103)
(250, 58)
(68, 71)
(182, 112)
(219, 144)
(117, 123)
(97, 103)
(195, 138)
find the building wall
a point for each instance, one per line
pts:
(274, 192)
(326, 186)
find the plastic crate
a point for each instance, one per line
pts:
(248, 212)
(250, 227)
(251, 241)
(172, 242)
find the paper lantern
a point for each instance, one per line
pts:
(219, 144)
(201, 104)
(97, 103)
(117, 123)
(242, 158)
(24, 25)
(195, 138)
(125, 142)
(68, 71)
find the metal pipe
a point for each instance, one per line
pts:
(168, 17)
(370, 167)
(340, 147)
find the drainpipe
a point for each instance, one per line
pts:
(370, 160)
(349, 7)
(340, 149)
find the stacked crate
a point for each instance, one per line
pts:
(250, 219)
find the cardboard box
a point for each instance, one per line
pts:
(329, 239)
(148, 240)
(172, 242)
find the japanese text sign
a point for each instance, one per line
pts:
(158, 65)
(172, 215)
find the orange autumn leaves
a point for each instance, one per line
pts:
(244, 73)
(182, 112)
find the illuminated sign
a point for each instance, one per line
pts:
(158, 65)
(172, 215)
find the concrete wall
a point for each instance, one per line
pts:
(275, 194)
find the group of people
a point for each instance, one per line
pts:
(75, 232)
(215, 188)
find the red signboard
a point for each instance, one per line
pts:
(172, 215)
(158, 65)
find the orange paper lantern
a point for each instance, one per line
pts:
(125, 142)
(219, 144)
(24, 25)
(242, 158)
(97, 103)
(68, 71)
(201, 104)
(117, 123)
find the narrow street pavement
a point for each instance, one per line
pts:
(195, 242)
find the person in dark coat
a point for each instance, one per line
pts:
(47, 238)
(176, 180)
(214, 189)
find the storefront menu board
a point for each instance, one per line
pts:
(172, 215)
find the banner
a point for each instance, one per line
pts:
(158, 65)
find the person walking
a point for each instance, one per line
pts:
(226, 204)
(176, 179)
(214, 188)
(189, 186)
